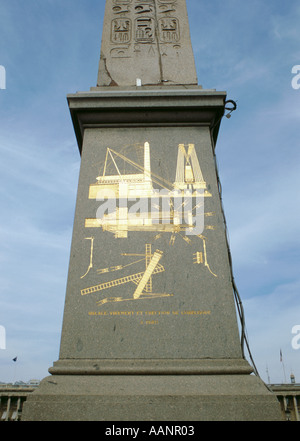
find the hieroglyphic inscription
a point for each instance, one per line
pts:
(138, 20)
(144, 8)
(143, 40)
(144, 30)
(145, 21)
(121, 3)
(121, 30)
(121, 7)
(169, 30)
(121, 25)
(167, 7)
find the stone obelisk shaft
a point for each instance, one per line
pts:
(147, 43)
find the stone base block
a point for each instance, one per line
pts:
(152, 398)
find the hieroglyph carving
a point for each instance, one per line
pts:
(138, 20)
(169, 30)
(121, 30)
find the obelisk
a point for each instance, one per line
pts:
(146, 40)
(150, 329)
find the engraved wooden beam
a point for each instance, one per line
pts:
(146, 43)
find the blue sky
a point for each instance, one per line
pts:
(50, 48)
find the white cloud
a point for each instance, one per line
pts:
(285, 24)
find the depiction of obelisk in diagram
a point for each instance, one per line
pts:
(150, 327)
(140, 185)
(189, 186)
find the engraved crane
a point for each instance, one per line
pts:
(143, 280)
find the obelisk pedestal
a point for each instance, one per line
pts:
(150, 329)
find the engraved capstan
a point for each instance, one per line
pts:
(146, 43)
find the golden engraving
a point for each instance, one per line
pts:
(91, 256)
(143, 280)
(140, 185)
(172, 240)
(92, 223)
(121, 299)
(187, 239)
(131, 184)
(188, 172)
(130, 314)
(199, 255)
(205, 259)
(118, 267)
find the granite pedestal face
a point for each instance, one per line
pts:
(150, 329)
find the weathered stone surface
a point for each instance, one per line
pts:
(152, 398)
(191, 301)
(147, 41)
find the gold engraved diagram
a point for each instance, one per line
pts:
(143, 280)
(91, 257)
(200, 257)
(123, 179)
(188, 181)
